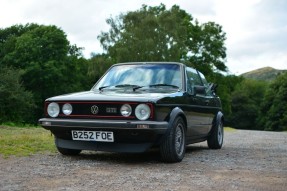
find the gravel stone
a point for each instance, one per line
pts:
(249, 160)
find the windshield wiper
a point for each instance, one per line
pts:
(121, 86)
(126, 85)
(167, 85)
(156, 85)
(103, 87)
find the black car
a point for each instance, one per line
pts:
(136, 106)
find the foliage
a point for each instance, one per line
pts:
(50, 65)
(226, 85)
(273, 108)
(98, 65)
(8, 38)
(25, 141)
(16, 104)
(246, 99)
(149, 34)
(158, 34)
(207, 51)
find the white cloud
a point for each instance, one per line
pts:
(256, 29)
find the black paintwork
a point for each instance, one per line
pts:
(199, 110)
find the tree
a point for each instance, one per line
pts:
(98, 65)
(273, 109)
(40, 52)
(8, 38)
(158, 34)
(50, 65)
(16, 104)
(246, 99)
(226, 85)
(206, 47)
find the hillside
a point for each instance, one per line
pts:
(265, 74)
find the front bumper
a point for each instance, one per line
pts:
(128, 137)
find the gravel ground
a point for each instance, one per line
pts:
(249, 160)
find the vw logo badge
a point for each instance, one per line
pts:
(94, 109)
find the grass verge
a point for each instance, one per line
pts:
(25, 141)
(229, 129)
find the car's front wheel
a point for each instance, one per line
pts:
(173, 147)
(69, 152)
(215, 139)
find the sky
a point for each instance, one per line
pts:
(256, 30)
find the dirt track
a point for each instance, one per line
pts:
(249, 160)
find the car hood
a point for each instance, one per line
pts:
(113, 96)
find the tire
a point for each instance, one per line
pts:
(215, 139)
(172, 148)
(67, 152)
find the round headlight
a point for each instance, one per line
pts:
(67, 109)
(53, 109)
(126, 110)
(142, 111)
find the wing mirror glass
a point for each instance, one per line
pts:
(199, 90)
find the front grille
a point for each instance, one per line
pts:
(99, 110)
(105, 110)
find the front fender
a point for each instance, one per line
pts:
(175, 112)
(217, 118)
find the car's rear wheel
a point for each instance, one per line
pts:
(215, 139)
(173, 147)
(68, 152)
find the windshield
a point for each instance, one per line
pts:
(141, 75)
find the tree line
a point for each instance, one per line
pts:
(37, 62)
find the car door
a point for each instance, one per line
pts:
(210, 103)
(199, 116)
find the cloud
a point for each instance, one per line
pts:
(256, 29)
(261, 37)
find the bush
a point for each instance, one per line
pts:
(273, 109)
(16, 104)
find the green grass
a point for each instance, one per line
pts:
(229, 129)
(25, 141)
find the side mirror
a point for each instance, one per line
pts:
(199, 90)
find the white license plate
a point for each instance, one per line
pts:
(100, 136)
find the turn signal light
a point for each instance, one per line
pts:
(47, 123)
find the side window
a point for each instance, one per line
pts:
(193, 76)
(205, 83)
(193, 79)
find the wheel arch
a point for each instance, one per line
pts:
(176, 112)
(173, 144)
(219, 117)
(215, 137)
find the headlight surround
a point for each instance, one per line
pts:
(67, 109)
(53, 109)
(126, 110)
(142, 112)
